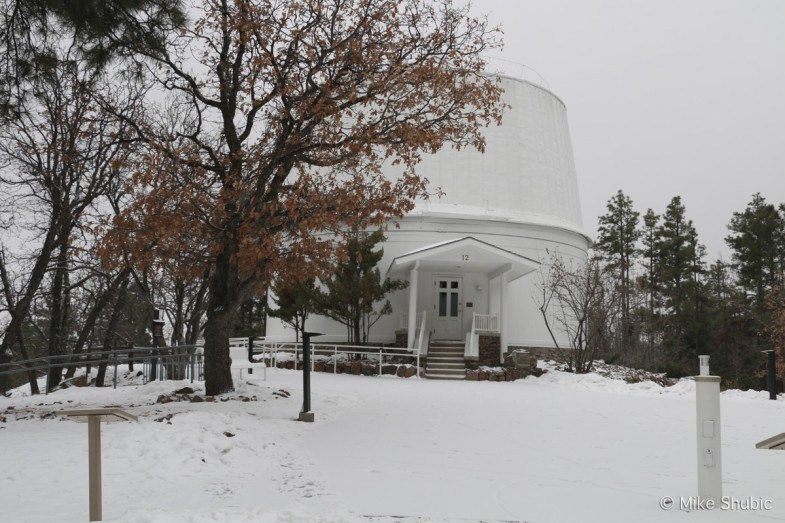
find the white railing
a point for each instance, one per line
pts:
(481, 323)
(420, 341)
(327, 353)
(485, 322)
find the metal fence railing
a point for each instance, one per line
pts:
(183, 362)
(186, 362)
(331, 353)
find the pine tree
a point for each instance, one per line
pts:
(758, 242)
(650, 254)
(681, 267)
(356, 286)
(616, 241)
(250, 319)
(98, 29)
(295, 300)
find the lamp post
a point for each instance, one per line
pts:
(93, 418)
(305, 413)
(158, 341)
(772, 378)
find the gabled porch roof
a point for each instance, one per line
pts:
(467, 254)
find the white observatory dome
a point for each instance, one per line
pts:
(527, 173)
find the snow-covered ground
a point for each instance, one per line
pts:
(551, 449)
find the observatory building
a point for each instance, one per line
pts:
(472, 257)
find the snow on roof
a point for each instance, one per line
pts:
(450, 210)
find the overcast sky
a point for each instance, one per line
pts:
(663, 97)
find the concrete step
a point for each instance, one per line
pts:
(442, 350)
(446, 368)
(442, 376)
(446, 365)
(450, 359)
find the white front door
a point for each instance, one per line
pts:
(448, 312)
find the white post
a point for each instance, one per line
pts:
(707, 392)
(503, 314)
(412, 327)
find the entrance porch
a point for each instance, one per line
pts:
(458, 289)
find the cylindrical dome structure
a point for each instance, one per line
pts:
(527, 172)
(477, 250)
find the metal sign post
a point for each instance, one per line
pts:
(305, 413)
(93, 417)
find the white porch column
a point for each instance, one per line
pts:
(503, 314)
(412, 306)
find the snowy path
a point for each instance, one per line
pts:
(559, 448)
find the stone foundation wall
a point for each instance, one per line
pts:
(517, 365)
(543, 353)
(490, 350)
(401, 338)
(497, 374)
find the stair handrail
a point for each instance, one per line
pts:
(472, 340)
(420, 332)
(480, 323)
(420, 341)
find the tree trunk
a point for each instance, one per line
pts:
(32, 377)
(109, 336)
(103, 300)
(356, 328)
(57, 313)
(226, 295)
(22, 307)
(178, 315)
(217, 364)
(197, 312)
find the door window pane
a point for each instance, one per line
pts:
(453, 284)
(442, 304)
(442, 284)
(454, 304)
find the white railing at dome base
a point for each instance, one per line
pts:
(481, 324)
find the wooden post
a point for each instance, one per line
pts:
(94, 466)
(93, 418)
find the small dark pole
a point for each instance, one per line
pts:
(305, 413)
(158, 336)
(250, 352)
(772, 374)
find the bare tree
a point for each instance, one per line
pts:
(61, 154)
(581, 307)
